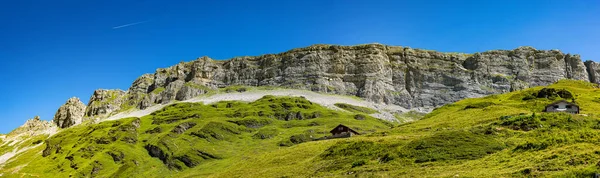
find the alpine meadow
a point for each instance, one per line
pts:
(300, 89)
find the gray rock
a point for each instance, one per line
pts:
(593, 69)
(181, 128)
(142, 84)
(411, 78)
(104, 102)
(189, 91)
(69, 114)
(136, 96)
(33, 127)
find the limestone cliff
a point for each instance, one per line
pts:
(593, 69)
(69, 114)
(411, 78)
(104, 102)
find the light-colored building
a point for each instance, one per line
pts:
(562, 106)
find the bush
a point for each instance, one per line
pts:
(300, 138)
(358, 163)
(552, 93)
(529, 97)
(534, 146)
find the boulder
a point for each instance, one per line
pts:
(181, 128)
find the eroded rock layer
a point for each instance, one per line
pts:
(407, 77)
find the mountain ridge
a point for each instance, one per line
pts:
(414, 79)
(411, 78)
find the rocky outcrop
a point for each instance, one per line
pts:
(69, 114)
(33, 127)
(411, 78)
(104, 102)
(593, 69)
(181, 128)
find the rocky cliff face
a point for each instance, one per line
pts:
(411, 78)
(104, 102)
(69, 114)
(593, 70)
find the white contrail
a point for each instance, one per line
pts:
(131, 24)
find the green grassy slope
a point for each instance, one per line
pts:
(496, 136)
(185, 139)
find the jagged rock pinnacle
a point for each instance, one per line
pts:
(69, 114)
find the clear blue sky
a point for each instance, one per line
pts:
(53, 50)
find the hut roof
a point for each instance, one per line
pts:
(349, 129)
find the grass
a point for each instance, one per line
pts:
(184, 138)
(198, 86)
(451, 145)
(409, 116)
(495, 136)
(114, 95)
(5, 148)
(158, 90)
(357, 109)
(235, 88)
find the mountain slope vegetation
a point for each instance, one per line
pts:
(505, 135)
(182, 137)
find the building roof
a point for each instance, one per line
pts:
(562, 101)
(349, 129)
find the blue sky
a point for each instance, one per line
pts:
(53, 50)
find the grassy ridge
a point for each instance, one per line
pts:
(499, 135)
(185, 139)
(357, 109)
(503, 135)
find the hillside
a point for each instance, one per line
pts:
(184, 137)
(494, 136)
(270, 115)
